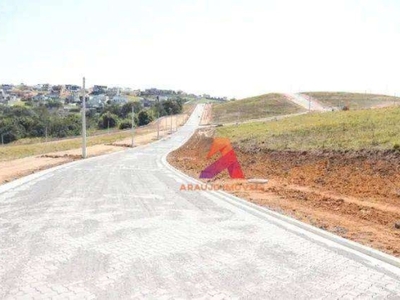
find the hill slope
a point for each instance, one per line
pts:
(353, 100)
(258, 107)
(363, 129)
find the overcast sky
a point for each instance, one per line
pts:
(221, 47)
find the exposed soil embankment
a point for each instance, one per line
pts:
(355, 194)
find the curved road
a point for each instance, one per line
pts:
(117, 226)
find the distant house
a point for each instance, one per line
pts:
(53, 96)
(135, 93)
(163, 98)
(147, 102)
(99, 89)
(3, 97)
(56, 89)
(119, 100)
(40, 98)
(72, 87)
(73, 98)
(97, 101)
(7, 87)
(7, 99)
(42, 87)
(111, 92)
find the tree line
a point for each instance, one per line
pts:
(51, 120)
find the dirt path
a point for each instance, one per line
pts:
(307, 102)
(354, 194)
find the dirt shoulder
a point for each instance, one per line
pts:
(16, 168)
(354, 194)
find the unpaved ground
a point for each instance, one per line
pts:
(206, 118)
(355, 194)
(14, 169)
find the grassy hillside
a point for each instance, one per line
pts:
(263, 106)
(353, 100)
(362, 129)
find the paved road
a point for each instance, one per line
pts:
(117, 226)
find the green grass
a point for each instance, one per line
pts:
(352, 130)
(132, 98)
(353, 100)
(263, 106)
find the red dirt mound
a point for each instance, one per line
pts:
(355, 194)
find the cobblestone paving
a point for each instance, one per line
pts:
(118, 227)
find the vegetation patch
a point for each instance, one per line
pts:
(263, 106)
(341, 130)
(353, 101)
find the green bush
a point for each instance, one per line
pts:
(145, 117)
(108, 120)
(125, 124)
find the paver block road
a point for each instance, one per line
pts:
(118, 226)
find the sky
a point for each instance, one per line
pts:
(233, 48)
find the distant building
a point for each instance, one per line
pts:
(111, 92)
(53, 96)
(99, 89)
(118, 99)
(97, 101)
(7, 87)
(3, 97)
(42, 87)
(73, 98)
(135, 93)
(39, 98)
(147, 102)
(72, 87)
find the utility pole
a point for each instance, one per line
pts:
(170, 112)
(133, 125)
(2, 139)
(45, 130)
(158, 117)
(83, 120)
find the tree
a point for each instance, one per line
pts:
(175, 106)
(108, 120)
(54, 104)
(144, 117)
(127, 108)
(125, 124)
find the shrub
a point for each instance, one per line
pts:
(108, 120)
(125, 124)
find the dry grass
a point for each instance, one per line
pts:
(353, 100)
(263, 106)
